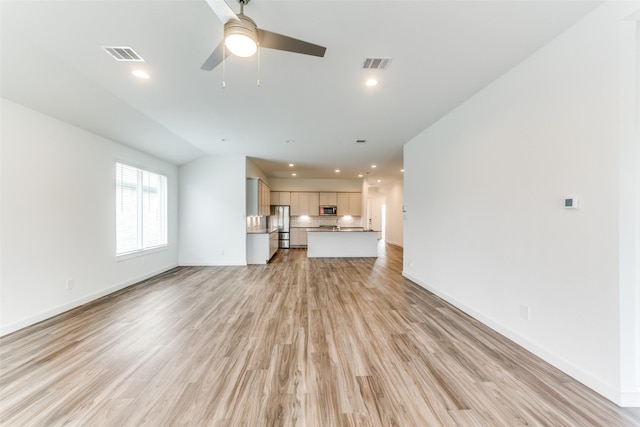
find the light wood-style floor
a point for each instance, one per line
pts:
(298, 342)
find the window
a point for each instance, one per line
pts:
(141, 209)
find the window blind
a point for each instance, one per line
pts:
(141, 209)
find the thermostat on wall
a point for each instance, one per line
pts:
(571, 203)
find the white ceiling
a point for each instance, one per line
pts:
(443, 52)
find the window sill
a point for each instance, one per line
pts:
(141, 252)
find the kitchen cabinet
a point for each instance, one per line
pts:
(280, 198)
(285, 198)
(342, 244)
(294, 237)
(298, 237)
(349, 204)
(328, 199)
(258, 198)
(265, 200)
(355, 204)
(295, 204)
(314, 204)
(273, 243)
(305, 203)
(343, 204)
(261, 247)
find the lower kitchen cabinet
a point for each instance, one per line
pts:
(298, 237)
(261, 247)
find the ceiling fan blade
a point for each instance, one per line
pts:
(215, 58)
(223, 11)
(278, 41)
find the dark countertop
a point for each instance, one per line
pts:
(335, 230)
(262, 231)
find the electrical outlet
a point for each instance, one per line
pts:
(70, 284)
(525, 312)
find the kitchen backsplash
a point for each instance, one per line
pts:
(256, 223)
(259, 223)
(317, 221)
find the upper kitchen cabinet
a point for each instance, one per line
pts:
(328, 199)
(265, 199)
(280, 198)
(349, 204)
(305, 203)
(258, 198)
(355, 204)
(314, 204)
(295, 204)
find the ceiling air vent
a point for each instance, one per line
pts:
(123, 53)
(376, 63)
(360, 141)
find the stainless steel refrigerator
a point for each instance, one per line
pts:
(280, 219)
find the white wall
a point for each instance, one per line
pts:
(212, 211)
(374, 201)
(58, 217)
(629, 178)
(485, 224)
(254, 171)
(394, 198)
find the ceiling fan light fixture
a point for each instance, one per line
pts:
(241, 45)
(240, 37)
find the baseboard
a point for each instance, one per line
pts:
(47, 314)
(630, 399)
(216, 263)
(600, 387)
(394, 243)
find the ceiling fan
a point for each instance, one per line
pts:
(242, 37)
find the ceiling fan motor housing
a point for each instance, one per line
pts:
(244, 27)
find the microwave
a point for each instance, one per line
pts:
(328, 210)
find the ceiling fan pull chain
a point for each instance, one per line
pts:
(224, 55)
(258, 65)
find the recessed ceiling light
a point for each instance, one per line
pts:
(360, 175)
(402, 170)
(291, 165)
(294, 174)
(379, 180)
(337, 170)
(373, 166)
(141, 74)
(371, 82)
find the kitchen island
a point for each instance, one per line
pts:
(334, 243)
